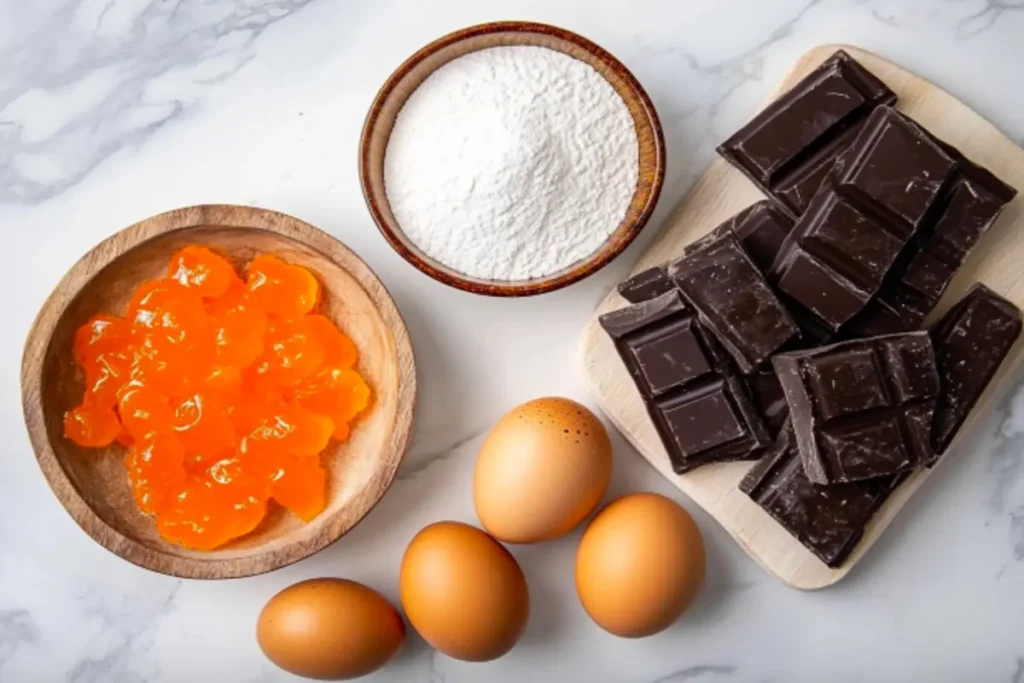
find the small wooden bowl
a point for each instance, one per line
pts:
(92, 484)
(401, 84)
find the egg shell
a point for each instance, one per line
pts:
(542, 469)
(639, 565)
(463, 592)
(329, 629)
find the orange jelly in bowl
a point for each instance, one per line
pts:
(225, 392)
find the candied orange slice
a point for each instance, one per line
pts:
(105, 374)
(238, 336)
(281, 289)
(339, 350)
(201, 271)
(201, 422)
(291, 351)
(215, 507)
(289, 430)
(156, 472)
(300, 484)
(101, 335)
(144, 411)
(338, 393)
(92, 425)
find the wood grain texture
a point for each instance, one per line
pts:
(401, 84)
(723, 191)
(92, 484)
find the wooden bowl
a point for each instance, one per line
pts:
(92, 484)
(401, 84)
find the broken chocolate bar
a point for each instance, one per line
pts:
(789, 147)
(968, 206)
(861, 409)
(734, 300)
(646, 285)
(828, 520)
(971, 341)
(688, 383)
(836, 257)
(761, 228)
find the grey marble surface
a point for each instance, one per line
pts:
(112, 110)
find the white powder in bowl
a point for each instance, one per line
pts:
(511, 163)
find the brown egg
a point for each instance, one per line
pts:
(464, 592)
(329, 629)
(542, 469)
(639, 565)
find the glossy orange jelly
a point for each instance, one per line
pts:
(224, 390)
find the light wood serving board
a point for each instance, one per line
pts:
(998, 261)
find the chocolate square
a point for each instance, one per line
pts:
(858, 407)
(700, 409)
(895, 167)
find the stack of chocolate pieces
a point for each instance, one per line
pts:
(790, 333)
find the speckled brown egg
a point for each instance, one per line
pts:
(329, 629)
(463, 592)
(639, 565)
(542, 469)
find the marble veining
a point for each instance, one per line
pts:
(112, 110)
(121, 70)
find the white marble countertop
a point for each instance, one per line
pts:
(113, 110)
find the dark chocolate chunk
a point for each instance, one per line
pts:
(971, 340)
(761, 228)
(734, 301)
(789, 147)
(828, 520)
(646, 285)
(894, 167)
(835, 259)
(861, 409)
(709, 422)
(967, 207)
(689, 385)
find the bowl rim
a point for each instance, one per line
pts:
(586, 267)
(224, 217)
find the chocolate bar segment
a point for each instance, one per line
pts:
(734, 301)
(709, 422)
(967, 207)
(837, 256)
(761, 228)
(646, 285)
(861, 409)
(699, 408)
(971, 340)
(894, 167)
(789, 147)
(828, 520)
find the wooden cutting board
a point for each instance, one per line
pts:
(720, 193)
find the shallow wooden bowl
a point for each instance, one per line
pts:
(402, 83)
(92, 484)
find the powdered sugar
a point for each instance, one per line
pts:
(511, 163)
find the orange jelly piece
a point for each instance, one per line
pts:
(225, 393)
(201, 271)
(300, 484)
(281, 289)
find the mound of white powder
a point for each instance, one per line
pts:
(511, 163)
